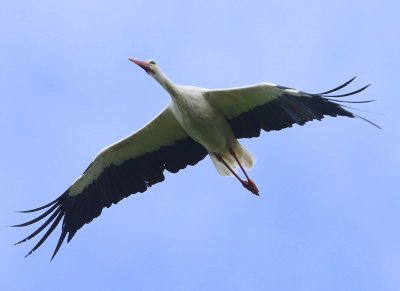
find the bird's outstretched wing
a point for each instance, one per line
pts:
(271, 107)
(129, 166)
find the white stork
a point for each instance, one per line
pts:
(197, 122)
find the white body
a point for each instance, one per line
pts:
(204, 123)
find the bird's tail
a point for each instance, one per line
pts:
(245, 158)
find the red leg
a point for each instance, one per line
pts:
(249, 184)
(219, 157)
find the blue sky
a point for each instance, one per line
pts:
(328, 214)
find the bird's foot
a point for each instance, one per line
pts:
(251, 186)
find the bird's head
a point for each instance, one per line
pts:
(149, 66)
(154, 71)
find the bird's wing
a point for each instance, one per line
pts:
(129, 166)
(271, 107)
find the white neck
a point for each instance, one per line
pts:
(165, 82)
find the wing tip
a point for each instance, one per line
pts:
(54, 215)
(338, 87)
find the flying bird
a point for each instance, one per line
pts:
(197, 122)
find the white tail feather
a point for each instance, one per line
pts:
(245, 158)
(221, 169)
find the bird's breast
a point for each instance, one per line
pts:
(202, 122)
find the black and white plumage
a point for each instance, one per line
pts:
(198, 122)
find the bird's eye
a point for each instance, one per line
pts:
(152, 62)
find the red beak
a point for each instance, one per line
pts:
(144, 65)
